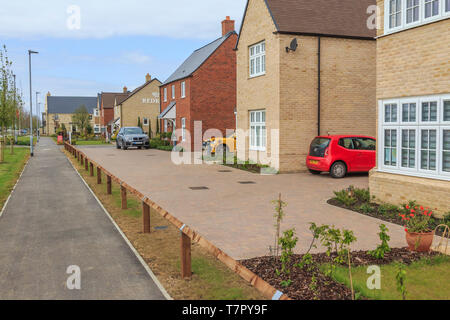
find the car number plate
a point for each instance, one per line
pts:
(314, 161)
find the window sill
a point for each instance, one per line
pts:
(257, 76)
(414, 25)
(257, 149)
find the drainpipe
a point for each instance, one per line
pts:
(318, 83)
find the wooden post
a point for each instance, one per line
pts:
(123, 193)
(185, 257)
(82, 160)
(86, 164)
(146, 217)
(108, 185)
(99, 175)
(91, 167)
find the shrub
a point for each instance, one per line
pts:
(165, 148)
(383, 248)
(288, 242)
(417, 218)
(387, 209)
(366, 208)
(363, 195)
(345, 197)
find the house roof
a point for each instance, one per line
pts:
(68, 105)
(108, 98)
(139, 89)
(196, 59)
(337, 18)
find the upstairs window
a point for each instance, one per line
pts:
(173, 92)
(183, 89)
(395, 13)
(390, 112)
(412, 11)
(447, 6)
(257, 59)
(431, 8)
(165, 94)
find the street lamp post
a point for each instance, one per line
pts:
(15, 110)
(37, 110)
(30, 52)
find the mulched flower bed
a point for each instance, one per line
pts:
(390, 217)
(326, 288)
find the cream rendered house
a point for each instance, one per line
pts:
(326, 85)
(413, 93)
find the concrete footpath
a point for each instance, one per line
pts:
(52, 222)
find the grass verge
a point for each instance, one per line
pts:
(10, 171)
(427, 279)
(211, 279)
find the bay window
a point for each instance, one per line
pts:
(404, 14)
(257, 62)
(419, 143)
(258, 134)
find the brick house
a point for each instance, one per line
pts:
(325, 86)
(106, 108)
(203, 89)
(413, 93)
(142, 104)
(60, 109)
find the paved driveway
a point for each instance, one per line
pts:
(238, 218)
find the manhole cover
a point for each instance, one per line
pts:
(246, 182)
(198, 188)
(224, 170)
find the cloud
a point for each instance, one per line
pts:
(102, 19)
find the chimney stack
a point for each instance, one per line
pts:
(227, 26)
(125, 89)
(148, 77)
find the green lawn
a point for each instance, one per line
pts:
(10, 170)
(89, 142)
(428, 279)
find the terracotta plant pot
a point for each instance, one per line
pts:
(419, 242)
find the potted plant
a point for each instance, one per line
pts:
(419, 236)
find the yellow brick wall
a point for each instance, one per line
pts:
(133, 108)
(399, 189)
(348, 103)
(259, 92)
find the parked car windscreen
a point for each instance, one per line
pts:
(133, 131)
(318, 147)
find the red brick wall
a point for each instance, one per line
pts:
(210, 92)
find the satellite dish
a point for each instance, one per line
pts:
(293, 46)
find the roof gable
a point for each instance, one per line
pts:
(196, 59)
(140, 88)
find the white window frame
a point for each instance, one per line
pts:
(260, 56)
(439, 126)
(409, 112)
(173, 91)
(145, 121)
(429, 101)
(398, 13)
(384, 146)
(412, 8)
(183, 129)
(165, 125)
(391, 102)
(446, 7)
(183, 89)
(165, 94)
(443, 14)
(432, 17)
(262, 127)
(441, 154)
(416, 148)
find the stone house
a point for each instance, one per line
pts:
(304, 68)
(142, 104)
(106, 108)
(59, 111)
(413, 93)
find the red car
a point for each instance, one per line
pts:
(341, 154)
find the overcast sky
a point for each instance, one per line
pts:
(90, 46)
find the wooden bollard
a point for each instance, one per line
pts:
(146, 217)
(86, 164)
(108, 184)
(186, 272)
(91, 167)
(99, 175)
(123, 193)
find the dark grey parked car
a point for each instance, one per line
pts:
(129, 137)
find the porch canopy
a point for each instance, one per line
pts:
(170, 113)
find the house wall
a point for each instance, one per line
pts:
(289, 89)
(134, 107)
(261, 92)
(413, 62)
(65, 119)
